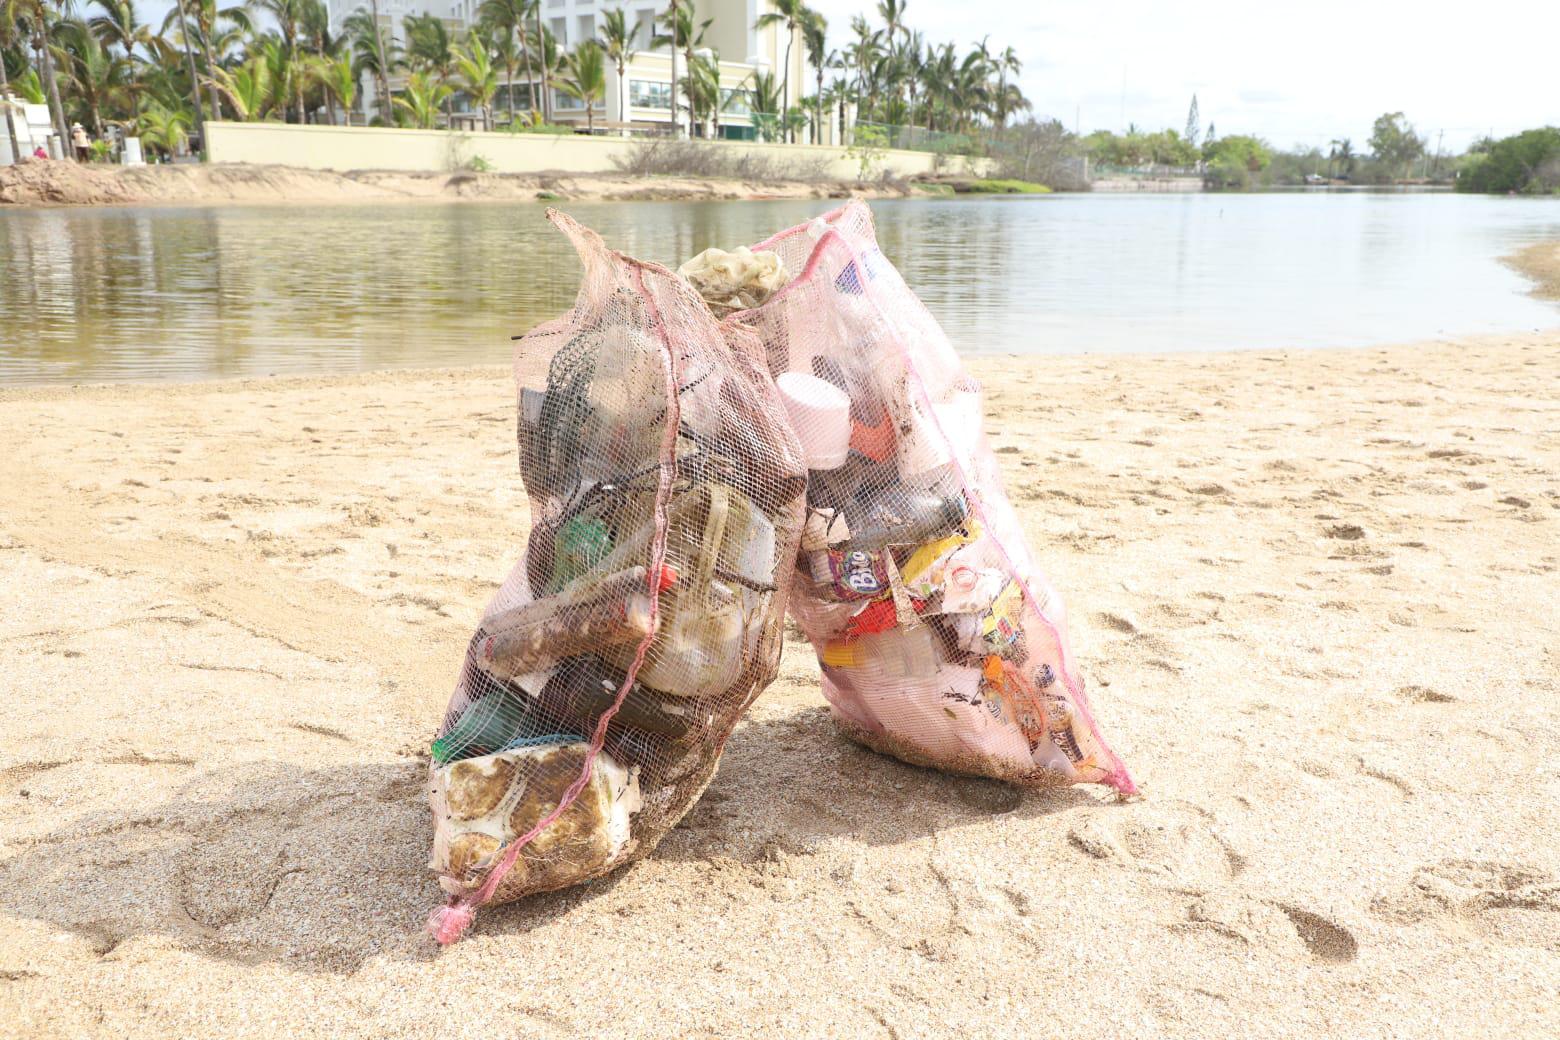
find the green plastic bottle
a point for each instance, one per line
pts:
(488, 724)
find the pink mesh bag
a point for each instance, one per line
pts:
(941, 643)
(667, 494)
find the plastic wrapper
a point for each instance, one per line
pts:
(940, 640)
(734, 280)
(667, 497)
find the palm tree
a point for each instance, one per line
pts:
(673, 20)
(815, 37)
(702, 87)
(428, 46)
(214, 42)
(893, 14)
(1007, 62)
(337, 79)
(766, 105)
(100, 76)
(693, 39)
(247, 88)
(617, 44)
(10, 11)
(189, 57)
(860, 55)
(163, 128)
(504, 49)
(372, 54)
(793, 14)
(478, 76)
(545, 48)
(289, 15)
(118, 25)
(507, 20)
(39, 14)
(585, 78)
(421, 99)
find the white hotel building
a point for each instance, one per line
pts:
(642, 100)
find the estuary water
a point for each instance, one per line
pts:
(154, 293)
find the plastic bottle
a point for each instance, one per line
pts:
(613, 610)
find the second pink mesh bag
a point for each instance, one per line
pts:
(941, 642)
(647, 613)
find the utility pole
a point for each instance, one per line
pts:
(1435, 168)
(189, 54)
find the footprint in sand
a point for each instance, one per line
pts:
(1174, 841)
(1504, 902)
(1279, 926)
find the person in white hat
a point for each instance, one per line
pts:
(80, 141)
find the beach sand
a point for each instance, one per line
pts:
(1314, 595)
(72, 184)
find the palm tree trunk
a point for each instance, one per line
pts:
(785, 85)
(541, 43)
(10, 124)
(818, 108)
(676, 127)
(530, 74)
(622, 71)
(381, 73)
(509, 80)
(47, 63)
(688, 75)
(211, 86)
(189, 57)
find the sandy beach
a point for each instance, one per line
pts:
(1314, 595)
(70, 184)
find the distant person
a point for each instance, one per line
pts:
(81, 142)
(39, 153)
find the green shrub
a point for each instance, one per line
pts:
(992, 186)
(1528, 162)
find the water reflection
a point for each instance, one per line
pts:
(191, 293)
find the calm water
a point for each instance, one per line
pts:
(127, 294)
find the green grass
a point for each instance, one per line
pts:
(1001, 187)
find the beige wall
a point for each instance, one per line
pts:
(373, 148)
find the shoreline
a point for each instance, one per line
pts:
(1540, 264)
(1311, 592)
(46, 185)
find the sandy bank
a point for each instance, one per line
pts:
(1313, 593)
(1540, 262)
(69, 184)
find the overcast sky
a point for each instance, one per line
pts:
(1290, 73)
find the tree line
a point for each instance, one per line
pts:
(100, 64)
(1394, 153)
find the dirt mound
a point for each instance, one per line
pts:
(42, 182)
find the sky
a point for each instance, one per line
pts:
(1291, 74)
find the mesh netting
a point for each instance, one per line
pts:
(940, 641)
(667, 495)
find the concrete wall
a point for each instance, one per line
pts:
(373, 148)
(1147, 184)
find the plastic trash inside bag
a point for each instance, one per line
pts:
(940, 641)
(734, 280)
(667, 494)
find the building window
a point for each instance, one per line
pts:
(644, 93)
(562, 100)
(736, 102)
(587, 28)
